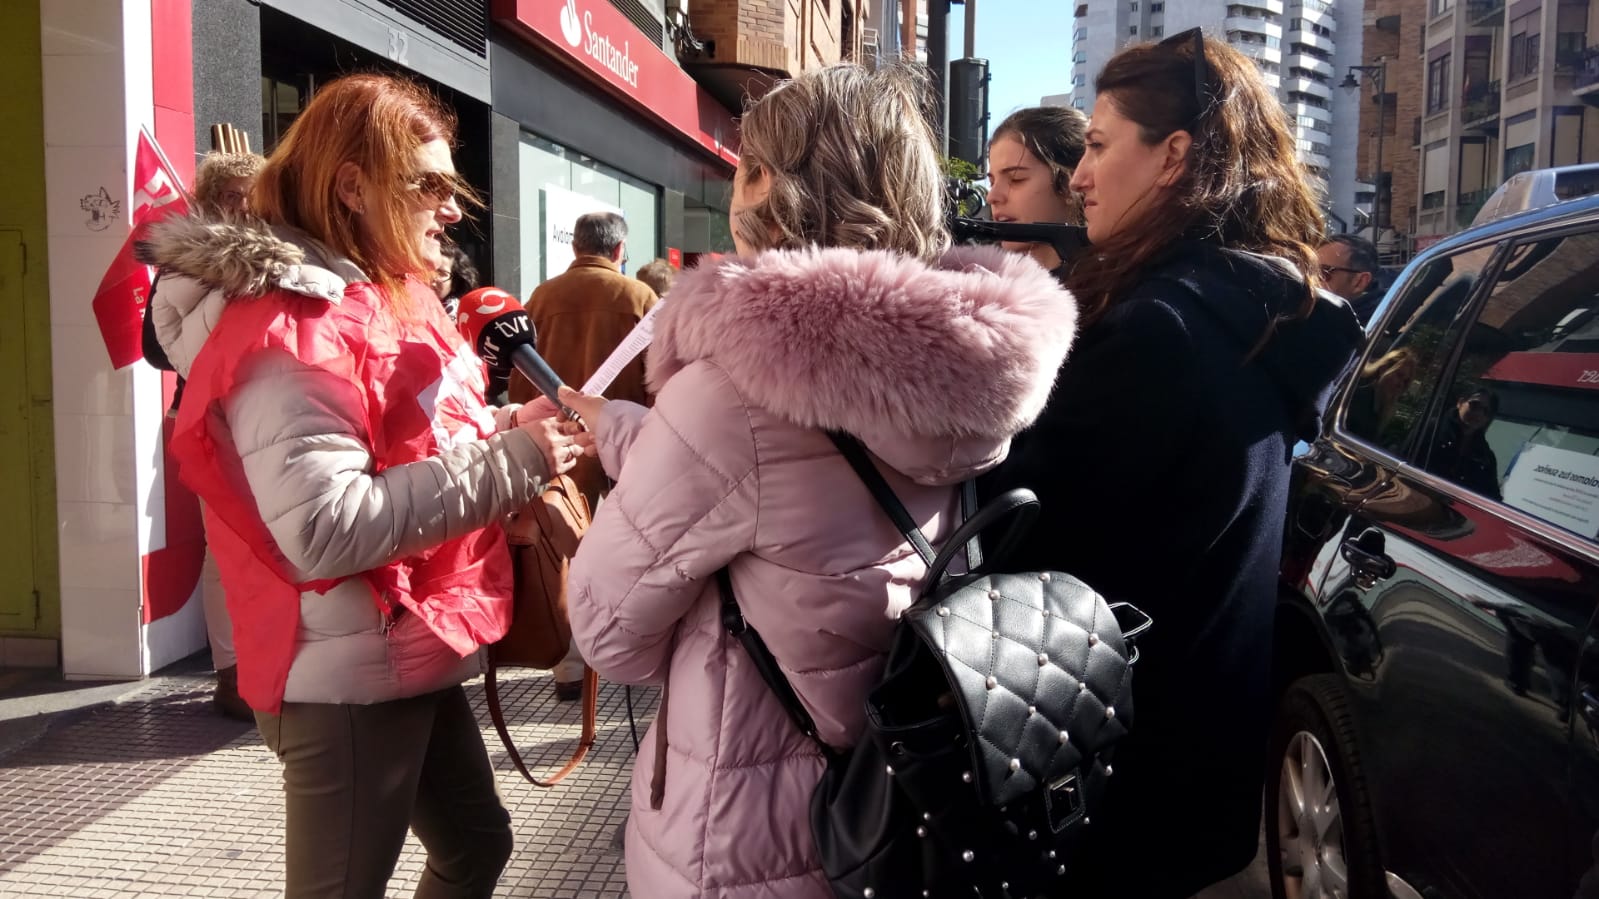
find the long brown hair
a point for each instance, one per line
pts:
(853, 163)
(1242, 187)
(377, 122)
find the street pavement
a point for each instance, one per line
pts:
(133, 790)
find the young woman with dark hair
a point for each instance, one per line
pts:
(1162, 457)
(1031, 157)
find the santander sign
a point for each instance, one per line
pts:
(581, 35)
(595, 39)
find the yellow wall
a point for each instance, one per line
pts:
(30, 601)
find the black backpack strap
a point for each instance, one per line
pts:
(766, 663)
(855, 454)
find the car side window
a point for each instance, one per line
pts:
(1404, 363)
(1519, 421)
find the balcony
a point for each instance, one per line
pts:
(1309, 64)
(1315, 112)
(1311, 39)
(1318, 89)
(1469, 204)
(1481, 110)
(1485, 13)
(1585, 83)
(1255, 25)
(1258, 51)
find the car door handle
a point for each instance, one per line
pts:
(1368, 558)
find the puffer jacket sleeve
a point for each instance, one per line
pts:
(297, 430)
(622, 421)
(182, 313)
(684, 506)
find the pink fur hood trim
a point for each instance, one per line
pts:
(874, 342)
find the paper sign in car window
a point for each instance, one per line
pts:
(1558, 486)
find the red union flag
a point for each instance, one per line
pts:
(119, 301)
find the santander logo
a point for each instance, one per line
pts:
(571, 26)
(578, 29)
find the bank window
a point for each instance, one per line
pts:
(1406, 356)
(559, 183)
(1519, 422)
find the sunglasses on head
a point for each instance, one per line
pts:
(1204, 91)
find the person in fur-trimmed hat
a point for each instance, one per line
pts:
(222, 183)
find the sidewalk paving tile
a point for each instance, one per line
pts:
(158, 796)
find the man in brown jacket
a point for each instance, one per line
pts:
(579, 317)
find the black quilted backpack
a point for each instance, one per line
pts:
(988, 740)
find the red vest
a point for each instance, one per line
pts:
(420, 391)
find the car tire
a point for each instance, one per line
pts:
(1315, 848)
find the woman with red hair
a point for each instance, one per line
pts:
(354, 479)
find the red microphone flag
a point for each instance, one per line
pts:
(119, 302)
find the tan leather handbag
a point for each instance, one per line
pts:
(543, 538)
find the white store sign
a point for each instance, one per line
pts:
(560, 211)
(1559, 486)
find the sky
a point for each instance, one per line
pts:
(1028, 47)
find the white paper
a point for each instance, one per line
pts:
(625, 352)
(1559, 486)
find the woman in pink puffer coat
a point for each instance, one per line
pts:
(843, 310)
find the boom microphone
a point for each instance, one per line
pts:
(502, 334)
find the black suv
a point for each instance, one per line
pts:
(1438, 733)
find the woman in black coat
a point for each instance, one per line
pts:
(1162, 459)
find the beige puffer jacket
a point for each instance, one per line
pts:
(311, 470)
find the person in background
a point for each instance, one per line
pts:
(354, 484)
(1161, 461)
(1030, 160)
(456, 277)
(1349, 268)
(222, 183)
(843, 310)
(658, 275)
(578, 318)
(1460, 450)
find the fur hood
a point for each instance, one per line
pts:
(205, 262)
(245, 258)
(875, 343)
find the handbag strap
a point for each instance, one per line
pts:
(591, 690)
(766, 664)
(855, 454)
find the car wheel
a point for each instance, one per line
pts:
(1320, 839)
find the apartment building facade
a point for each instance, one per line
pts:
(1501, 88)
(1302, 47)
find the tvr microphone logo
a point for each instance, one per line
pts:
(571, 25)
(498, 296)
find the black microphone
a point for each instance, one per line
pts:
(502, 334)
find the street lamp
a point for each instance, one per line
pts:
(1379, 73)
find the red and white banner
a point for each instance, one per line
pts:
(125, 288)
